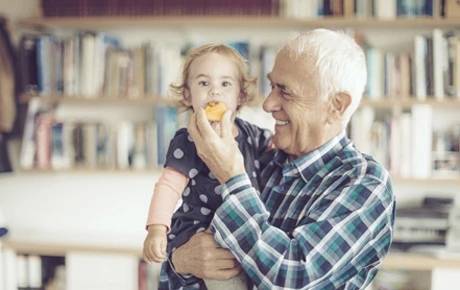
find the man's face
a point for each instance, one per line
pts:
(301, 120)
(213, 77)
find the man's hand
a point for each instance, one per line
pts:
(205, 259)
(221, 154)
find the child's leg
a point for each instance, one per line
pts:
(239, 282)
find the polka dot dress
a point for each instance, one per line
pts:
(202, 195)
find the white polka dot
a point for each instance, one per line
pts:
(196, 222)
(205, 211)
(200, 229)
(186, 208)
(204, 198)
(186, 191)
(217, 190)
(193, 172)
(171, 236)
(178, 153)
(190, 138)
(257, 140)
(193, 182)
(249, 141)
(254, 174)
(211, 175)
(173, 249)
(257, 164)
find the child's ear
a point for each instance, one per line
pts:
(243, 99)
(187, 97)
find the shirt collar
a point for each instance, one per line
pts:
(308, 165)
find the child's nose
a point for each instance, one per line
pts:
(215, 91)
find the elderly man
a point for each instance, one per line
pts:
(325, 215)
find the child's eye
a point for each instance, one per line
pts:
(226, 84)
(203, 83)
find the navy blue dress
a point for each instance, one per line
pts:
(201, 196)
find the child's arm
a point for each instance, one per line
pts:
(167, 192)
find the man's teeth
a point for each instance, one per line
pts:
(278, 122)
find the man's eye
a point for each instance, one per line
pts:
(203, 83)
(226, 84)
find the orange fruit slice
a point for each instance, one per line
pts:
(215, 110)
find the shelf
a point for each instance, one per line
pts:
(417, 262)
(98, 100)
(392, 102)
(407, 261)
(187, 21)
(93, 170)
(63, 249)
(106, 100)
(432, 180)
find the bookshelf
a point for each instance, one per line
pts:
(411, 262)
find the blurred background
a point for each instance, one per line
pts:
(85, 123)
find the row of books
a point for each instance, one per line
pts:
(432, 68)
(391, 9)
(406, 143)
(148, 276)
(380, 9)
(34, 272)
(50, 143)
(91, 65)
(159, 7)
(297, 9)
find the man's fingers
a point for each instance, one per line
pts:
(192, 128)
(228, 264)
(226, 124)
(227, 273)
(203, 125)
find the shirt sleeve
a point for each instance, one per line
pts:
(166, 194)
(325, 250)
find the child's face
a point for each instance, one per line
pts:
(213, 77)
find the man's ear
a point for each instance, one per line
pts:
(338, 105)
(187, 97)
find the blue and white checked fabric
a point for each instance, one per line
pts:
(323, 221)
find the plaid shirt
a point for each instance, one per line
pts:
(323, 221)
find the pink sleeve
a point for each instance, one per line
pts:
(166, 194)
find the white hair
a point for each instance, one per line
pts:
(340, 64)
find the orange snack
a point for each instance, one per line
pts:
(215, 110)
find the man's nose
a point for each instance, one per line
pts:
(271, 103)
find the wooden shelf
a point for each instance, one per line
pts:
(63, 249)
(407, 261)
(432, 180)
(97, 100)
(107, 100)
(392, 102)
(186, 21)
(417, 262)
(93, 170)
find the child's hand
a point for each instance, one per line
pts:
(155, 244)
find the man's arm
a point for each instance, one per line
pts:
(329, 248)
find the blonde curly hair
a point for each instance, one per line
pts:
(247, 83)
